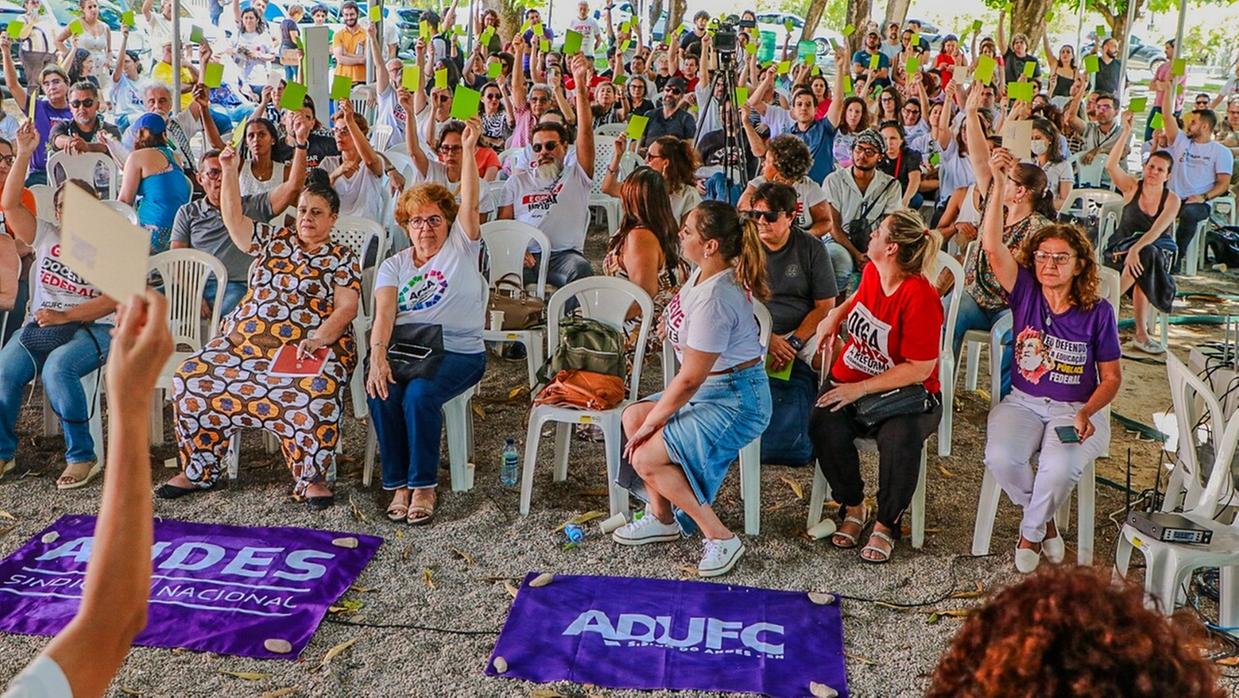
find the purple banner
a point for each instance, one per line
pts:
(623, 632)
(224, 589)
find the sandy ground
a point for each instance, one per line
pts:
(453, 573)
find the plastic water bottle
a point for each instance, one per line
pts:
(507, 471)
(102, 181)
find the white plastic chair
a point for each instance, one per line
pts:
(821, 489)
(750, 455)
(358, 233)
(1170, 564)
(604, 150)
(44, 201)
(362, 97)
(1080, 200)
(605, 299)
(380, 136)
(93, 387)
(506, 242)
(123, 209)
(184, 274)
(975, 340)
(611, 131)
(1193, 401)
(458, 425)
(946, 361)
(1091, 175)
(1194, 256)
(61, 166)
(1106, 229)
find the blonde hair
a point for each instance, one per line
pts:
(426, 195)
(738, 243)
(918, 245)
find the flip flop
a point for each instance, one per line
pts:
(884, 555)
(851, 539)
(82, 473)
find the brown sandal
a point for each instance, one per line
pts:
(77, 475)
(420, 514)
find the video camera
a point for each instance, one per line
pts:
(725, 38)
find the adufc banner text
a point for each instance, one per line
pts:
(654, 633)
(225, 589)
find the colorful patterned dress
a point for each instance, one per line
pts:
(225, 386)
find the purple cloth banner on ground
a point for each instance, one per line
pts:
(224, 589)
(623, 632)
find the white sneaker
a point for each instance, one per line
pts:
(1026, 560)
(720, 556)
(647, 529)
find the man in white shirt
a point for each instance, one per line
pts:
(1202, 167)
(859, 195)
(182, 126)
(588, 28)
(555, 198)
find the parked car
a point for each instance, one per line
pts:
(1140, 56)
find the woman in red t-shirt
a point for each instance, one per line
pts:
(894, 327)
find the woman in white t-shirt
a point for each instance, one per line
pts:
(430, 297)
(446, 169)
(787, 162)
(66, 334)
(1048, 155)
(259, 172)
(356, 173)
(682, 441)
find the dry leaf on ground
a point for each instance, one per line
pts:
(336, 650)
(247, 675)
(279, 692)
(428, 578)
(797, 488)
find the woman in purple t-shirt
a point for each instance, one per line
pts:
(1066, 371)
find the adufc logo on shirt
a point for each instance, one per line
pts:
(543, 200)
(869, 351)
(423, 291)
(702, 634)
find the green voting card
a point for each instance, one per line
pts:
(213, 75)
(293, 97)
(784, 67)
(849, 30)
(1157, 121)
(913, 66)
(1101, 32)
(544, 45)
(465, 102)
(127, 19)
(410, 77)
(636, 126)
(15, 30)
(487, 34)
(742, 95)
(441, 79)
(873, 61)
(1179, 67)
(619, 80)
(985, 70)
(1092, 63)
(847, 84)
(75, 27)
(572, 42)
(195, 35)
(782, 374)
(376, 13)
(1030, 67)
(341, 87)
(1020, 91)
(751, 48)
(238, 133)
(1138, 104)
(494, 69)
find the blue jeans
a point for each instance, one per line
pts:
(843, 263)
(563, 268)
(974, 317)
(409, 423)
(63, 369)
(18, 313)
(234, 291)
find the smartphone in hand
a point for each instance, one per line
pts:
(1067, 435)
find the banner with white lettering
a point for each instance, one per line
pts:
(624, 632)
(253, 592)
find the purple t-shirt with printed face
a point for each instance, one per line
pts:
(1056, 355)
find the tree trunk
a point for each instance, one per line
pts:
(1028, 18)
(655, 9)
(896, 13)
(509, 16)
(857, 16)
(813, 17)
(1116, 16)
(676, 15)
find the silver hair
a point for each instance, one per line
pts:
(147, 85)
(544, 88)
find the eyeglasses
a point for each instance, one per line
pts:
(651, 155)
(442, 98)
(450, 148)
(865, 150)
(88, 103)
(1056, 259)
(427, 222)
(213, 173)
(539, 99)
(548, 146)
(768, 216)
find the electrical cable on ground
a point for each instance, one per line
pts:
(410, 626)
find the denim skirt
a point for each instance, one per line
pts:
(705, 436)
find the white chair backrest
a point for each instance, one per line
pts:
(610, 131)
(362, 97)
(1219, 491)
(1079, 197)
(947, 263)
(506, 242)
(765, 324)
(380, 135)
(1193, 399)
(1109, 224)
(184, 274)
(123, 209)
(606, 299)
(44, 201)
(1109, 287)
(62, 166)
(357, 233)
(507, 155)
(403, 163)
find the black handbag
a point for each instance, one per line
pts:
(860, 228)
(872, 410)
(44, 340)
(415, 350)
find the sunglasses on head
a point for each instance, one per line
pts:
(548, 146)
(88, 103)
(768, 216)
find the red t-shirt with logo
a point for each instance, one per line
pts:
(884, 331)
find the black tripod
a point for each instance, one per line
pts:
(735, 152)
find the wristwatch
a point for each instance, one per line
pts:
(302, 146)
(796, 342)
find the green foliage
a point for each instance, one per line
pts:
(833, 17)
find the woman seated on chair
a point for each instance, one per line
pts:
(304, 292)
(430, 295)
(894, 327)
(152, 173)
(356, 173)
(682, 441)
(673, 158)
(65, 336)
(645, 249)
(1066, 371)
(260, 173)
(1143, 248)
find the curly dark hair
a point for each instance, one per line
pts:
(1071, 631)
(791, 157)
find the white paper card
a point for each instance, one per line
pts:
(1017, 138)
(102, 246)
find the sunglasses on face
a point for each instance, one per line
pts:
(494, 95)
(768, 216)
(7, 159)
(88, 103)
(672, 91)
(548, 146)
(441, 98)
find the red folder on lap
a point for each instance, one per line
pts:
(287, 364)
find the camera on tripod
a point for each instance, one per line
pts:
(725, 38)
